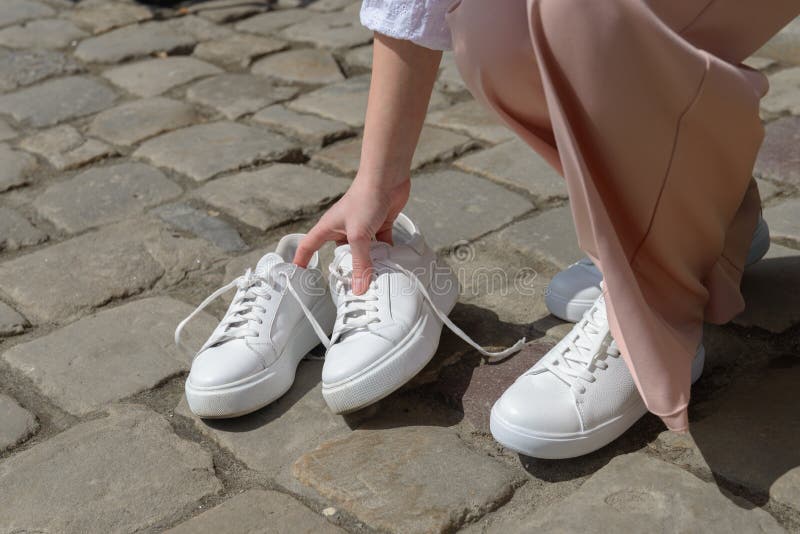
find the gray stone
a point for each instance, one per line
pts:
(768, 288)
(204, 151)
(45, 33)
(310, 129)
(331, 30)
(784, 94)
(783, 219)
(449, 79)
(11, 323)
(227, 10)
(637, 493)
(238, 50)
(15, 167)
(213, 229)
(58, 100)
(152, 77)
(767, 190)
(393, 479)
(16, 232)
(6, 131)
(135, 121)
(103, 195)
(516, 164)
(306, 65)
(359, 58)
(130, 468)
(472, 119)
(133, 41)
(451, 206)
(759, 63)
(272, 21)
(785, 46)
(779, 157)
(18, 423)
(15, 11)
(26, 67)
(256, 511)
(132, 343)
(65, 148)
(101, 17)
(65, 280)
(274, 195)
(549, 236)
(235, 95)
(326, 6)
(199, 28)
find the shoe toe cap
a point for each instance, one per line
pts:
(539, 404)
(224, 364)
(348, 359)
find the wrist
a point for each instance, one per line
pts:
(381, 180)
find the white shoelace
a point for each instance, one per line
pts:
(575, 361)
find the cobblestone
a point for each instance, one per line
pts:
(6, 132)
(270, 22)
(778, 158)
(204, 151)
(11, 322)
(153, 77)
(768, 288)
(783, 223)
(101, 17)
(238, 50)
(47, 33)
(135, 121)
(19, 68)
(212, 229)
(20, 10)
(550, 235)
(331, 30)
(134, 41)
(784, 94)
(235, 95)
(15, 167)
(18, 423)
(471, 119)
(16, 232)
(115, 461)
(227, 10)
(306, 66)
(310, 129)
(65, 148)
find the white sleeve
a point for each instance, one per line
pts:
(420, 21)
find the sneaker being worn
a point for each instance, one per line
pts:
(251, 357)
(573, 291)
(578, 398)
(383, 338)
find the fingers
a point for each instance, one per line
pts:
(362, 263)
(311, 243)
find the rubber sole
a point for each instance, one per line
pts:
(557, 447)
(256, 391)
(397, 367)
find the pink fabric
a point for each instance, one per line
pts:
(645, 109)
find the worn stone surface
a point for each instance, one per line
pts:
(16, 232)
(785, 46)
(132, 343)
(204, 151)
(20, 10)
(117, 261)
(18, 423)
(636, 493)
(305, 65)
(516, 164)
(200, 223)
(199, 28)
(768, 289)
(135, 121)
(779, 158)
(235, 95)
(274, 195)
(101, 17)
(19, 68)
(45, 33)
(550, 236)
(272, 21)
(65, 148)
(131, 468)
(784, 94)
(783, 221)
(227, 10)
(472, 119)
(15, 167)
(449, 79)
(104, 195)
(767, 190)
(360, 58)
(11, 322)
(450, 206)
(153, 77)
(134, 41)
(310, 129)
(6, 131)
(412, 479)
(238, 50)
(255, 511)
(58, 100)
(332, 30)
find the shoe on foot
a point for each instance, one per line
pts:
(383, 338)
(251, 357)
(573, 291)
(578, 398)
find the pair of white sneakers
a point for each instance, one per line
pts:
(378, 341)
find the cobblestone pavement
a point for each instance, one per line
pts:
(149, 154)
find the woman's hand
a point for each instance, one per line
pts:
(366, 210)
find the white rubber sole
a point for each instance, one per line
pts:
(554, 447)
(397, 367)
(254, 392)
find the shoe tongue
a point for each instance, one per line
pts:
(267, 262)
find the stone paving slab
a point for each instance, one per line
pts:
(20, 68)
(306, 66)
(309, 129)
(257, 511)
(272, 21)
(120, 473)
(778, 158)
(550, 236)
(21, 10)
(65, 148)
(134, 41)
(331, 30)
(412, 479)
(132, 343)
(135, 121)
(472, 119)
(45, 33)
(785, 46)
(202, 224)
(274, 195)
(227, 10)
(6, 131)
(153, 77)
(207, 150)
(783, 223)
(17, 232)
(784, 94)
(11, 322)
(101, 17)
(18, 423)
(16, 167)
(235, 95)
(636, 493)
(238, 50)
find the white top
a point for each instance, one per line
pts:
(420, 21)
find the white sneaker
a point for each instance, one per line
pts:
(251, 357)
(578, 398)
(383, 338)
(573, 291)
